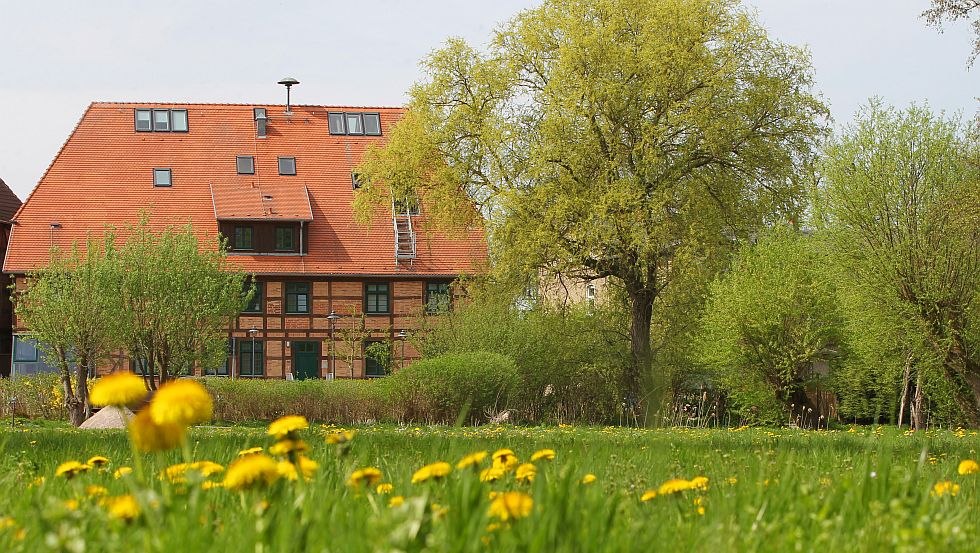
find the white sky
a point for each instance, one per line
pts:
(57, 56)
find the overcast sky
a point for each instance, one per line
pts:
(58, 56)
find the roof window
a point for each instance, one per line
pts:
(355, 179)
(355, 123)
(245, 165)
(161, 120)
(287, 166)
(162, 177)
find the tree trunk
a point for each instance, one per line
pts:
(644, 390)
(915, 413)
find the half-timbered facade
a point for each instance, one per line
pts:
(278, 184)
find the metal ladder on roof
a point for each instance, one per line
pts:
(401, 222)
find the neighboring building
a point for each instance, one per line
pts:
(9, 204)
(279, 185)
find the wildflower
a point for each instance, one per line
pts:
(250, 451)
(123, 507)
(307, 467)
(699, 483)
(944, 488)
(673, 486)
(287, 470)
(340, 436)
(968, 466)
(287, 426)
(510, 505)
(69, 469)
(181, 402)
(384, 488)
(472, 460)
(210, 485)
(732, 480)
(526, 473)
(648, 495)
(250, 471)
(94, 491)
(39, 481)
(7, 522)
(491, 474)
(699, 505)
(588, 478)
(431, 471)
(119, 389)
(149, 436)
(438, 511)
(505, 458)
(368, 476)
(178, 473)
(396, 500)
(97, 461)
(545, 454)
(122, 471)
(286, 447)
(70, 504)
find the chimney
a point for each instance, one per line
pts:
(288, 82)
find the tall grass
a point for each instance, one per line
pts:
(785, 490)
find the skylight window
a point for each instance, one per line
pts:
(161, 120)
(178, 120)
(143, 123)
(355, 123)
(245, 165)
(372, 124)
(287, 166)
(162, 177)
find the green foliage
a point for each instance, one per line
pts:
(901, 202)
(36, 396)
(465, 387)
(381, 353)
(335, 401)
(625, 138)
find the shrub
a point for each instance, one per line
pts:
(336, 401)
(468, 387)
(37, 396)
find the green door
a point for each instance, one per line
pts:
(306, 360)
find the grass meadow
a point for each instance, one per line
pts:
(864, 489)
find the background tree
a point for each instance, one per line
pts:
(955, 10)
(177, 301)
(72, 309)
(768, 321)
(902, 201)
(608, 138)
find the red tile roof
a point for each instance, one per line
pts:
(103, 176)
(254, 202)
(9, 202)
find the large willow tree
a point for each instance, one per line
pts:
(608, 138)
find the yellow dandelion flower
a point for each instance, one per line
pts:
(341, 436)
(543, 454)
(945, 488)
(673, 485)
(69, 469)
(307, 467)
(526, 473)
(588, 478)
(511, 505)
(699, 483)
(182, 402)
(149, 436)
(699, 505)
(285, 426)
(432, 471)
(97, 461)
(396, 500)
(367, 476)
(123, 507)
(70, 504)
(119, 389)
(122, 471)
(37, 482)
(96, 491)
(384, 488)
(648, 495)
(283, 448)
(504, 457)
(472, 460)
(210, 485)
(968, 466)
(7, 522)
(492, 474)
(250, 451)
(732, 480)
(251, 471)
(287, 470)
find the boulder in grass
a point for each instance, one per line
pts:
(108, 417)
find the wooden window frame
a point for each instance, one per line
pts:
(368, 294)
(308, 293)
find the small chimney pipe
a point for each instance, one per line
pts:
(288, 82)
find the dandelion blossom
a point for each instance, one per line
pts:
(69, 469)
(526, 473)
(123, 507)
(396, 500)
(181, 402)
(97, 461)
(149, 436)
(119, 389)
(504, 458)
(674, 485)
(251, 471)
(286, 447)
(699, 483)
(285, 426)
(648, 495)
(543, 454)
(588, 478)
(367, 476)
(384, 488)
(945, 488)
(250, 451)
(472, 460)
(511, 505)
(431, 472)
(96, 491)
(341, 436)
(968, 466)
(492, 474)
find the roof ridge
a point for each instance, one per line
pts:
(238, 104)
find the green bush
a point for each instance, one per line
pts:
(467, 387)
(37, 396)
(336, 401)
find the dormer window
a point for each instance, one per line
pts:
(162, 177)
(287, 166)
(161, 120)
